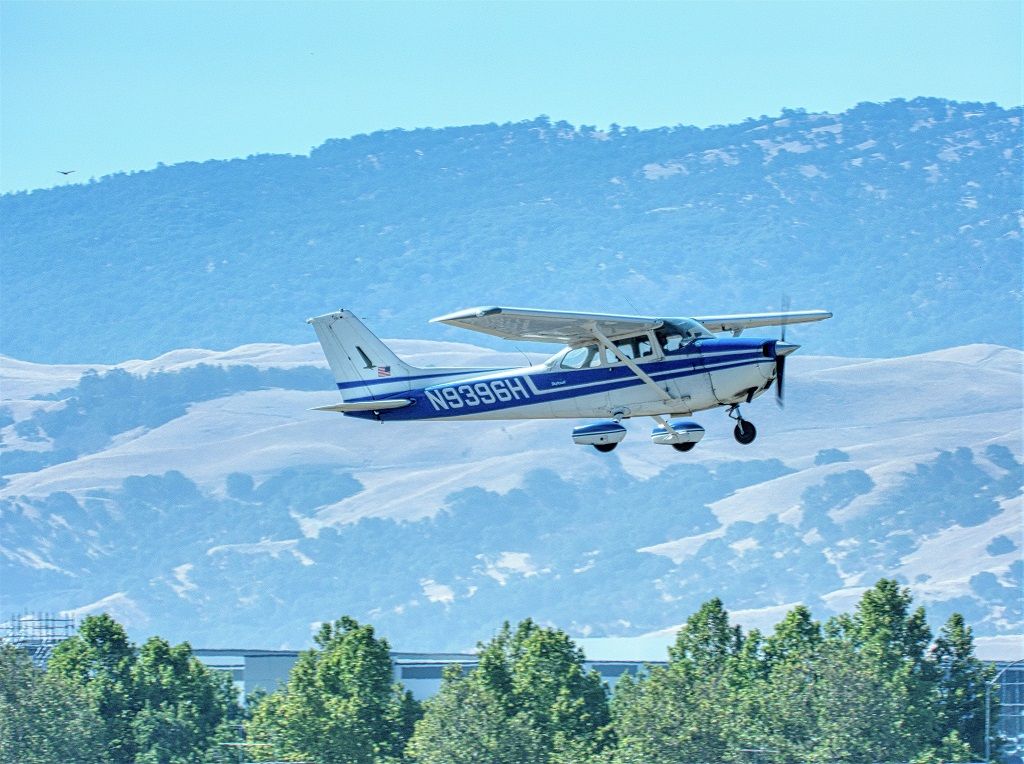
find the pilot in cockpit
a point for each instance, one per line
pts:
(680, 333)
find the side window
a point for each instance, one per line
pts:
(672, 343)
(581, 358)
(574, 359)
(627, 348)
(636, 348)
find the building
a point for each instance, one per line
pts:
(420, 673)
(1010, 722)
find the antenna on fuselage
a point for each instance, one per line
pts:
(523, 354)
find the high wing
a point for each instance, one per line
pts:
(567, 328)
(738, 323)
(557, 326)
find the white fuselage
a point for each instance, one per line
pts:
(701, 375)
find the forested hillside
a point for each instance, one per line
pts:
(196, 495)
(903, 218)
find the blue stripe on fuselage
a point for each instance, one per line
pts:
(558, 385)
(350, 384)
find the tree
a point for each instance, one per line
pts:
(549, 685)
(685, 711)
(822, 698)
(785, 713)
(858, 712)
(43, 718)
(795, 640)
(467, 722)
(183, 705)
(951, 749)
(157, 705)
(881, 652)
(98, 661)
(529, 693)
(672, 718)
(340, 704)
(706, 641)
(883, 626)
(961, 685)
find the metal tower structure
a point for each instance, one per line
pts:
(37, 633)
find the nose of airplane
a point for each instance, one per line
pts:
(785, 348)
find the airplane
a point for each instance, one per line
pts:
(612, 368)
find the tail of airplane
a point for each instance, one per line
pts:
(368, 373)
(363, 366)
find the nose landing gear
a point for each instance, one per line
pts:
(744, 431)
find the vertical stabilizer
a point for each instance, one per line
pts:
(363, 366)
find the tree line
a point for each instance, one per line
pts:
(869, 686)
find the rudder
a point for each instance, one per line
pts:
(363, 366)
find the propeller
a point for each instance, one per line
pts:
(780, 370)
(777, 350)
(780, 358)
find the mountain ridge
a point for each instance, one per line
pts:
(912, 206)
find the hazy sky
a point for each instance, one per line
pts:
(100, 87)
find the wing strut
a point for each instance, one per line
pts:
(599, 336)
(664, 423)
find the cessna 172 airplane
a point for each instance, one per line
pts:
(613, 368)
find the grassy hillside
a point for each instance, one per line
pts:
(225, 512)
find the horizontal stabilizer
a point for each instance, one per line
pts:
(341, 408)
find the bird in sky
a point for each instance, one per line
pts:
(65, 172)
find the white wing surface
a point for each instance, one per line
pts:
(535, 325)
(738, 323)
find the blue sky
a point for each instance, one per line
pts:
(101, 87)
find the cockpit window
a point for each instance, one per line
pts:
(591, 356)
(581, 358)
(680, 332)
(633, 348)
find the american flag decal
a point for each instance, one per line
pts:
(383, 371)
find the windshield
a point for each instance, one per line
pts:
(581, 358)
(682, 331)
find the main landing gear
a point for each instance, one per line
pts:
(744, 431)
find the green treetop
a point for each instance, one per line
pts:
(961, 686)
(98, 659)
(529, 696)
(340, 704)
(43, 717)
(157, 705)
(185, 708)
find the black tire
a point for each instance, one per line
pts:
(684, 447)
(744, 432)
(604, 448)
